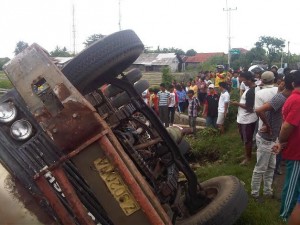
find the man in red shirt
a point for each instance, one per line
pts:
(289, 144)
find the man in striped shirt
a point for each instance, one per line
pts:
(163, 102)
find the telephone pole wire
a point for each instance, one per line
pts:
(228, 11)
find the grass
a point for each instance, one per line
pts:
(219, 155)
(4, 82)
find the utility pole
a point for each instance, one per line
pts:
(228, 11)
(120, 28)
(74, 31)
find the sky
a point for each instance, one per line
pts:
(190, 24)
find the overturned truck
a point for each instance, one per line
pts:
(92, 155)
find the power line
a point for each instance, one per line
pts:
(228, 11)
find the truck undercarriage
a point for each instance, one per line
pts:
(102, 156)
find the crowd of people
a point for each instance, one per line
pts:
(207, 95)
(268, 116)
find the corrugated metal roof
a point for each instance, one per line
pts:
(62, 60)
(155, 59)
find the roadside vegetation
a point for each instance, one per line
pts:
(217, 155)
(4, 82)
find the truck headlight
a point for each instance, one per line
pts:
(21, 130)
(8, 112)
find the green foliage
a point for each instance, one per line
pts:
(218, 156)
(207, 66)
(154, 88)
(232, 110)
(165, 50)
(4, 82)
(292, 60)
(60, 52)
(3, 61)
(273, 46)
(21, 45)
(93, 38)
(209, 132)
(218, 60)
(167, 76)
(190, 52)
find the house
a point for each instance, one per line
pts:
(199, 58)
(61, 61)
(157, 61)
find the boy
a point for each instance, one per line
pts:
(192, 109)
(173, 103)
(210, 110)
(163, 102)
(223, 106)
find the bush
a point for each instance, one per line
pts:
(167, 76)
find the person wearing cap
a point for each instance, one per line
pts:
(270, 114)
(288, 144)
(210, 109)
(266, 160)
(246, 117)
(220, 76)
(223, 106)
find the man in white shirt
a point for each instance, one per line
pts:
(266, 160)
(223, 106)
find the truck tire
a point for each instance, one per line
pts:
(123, 98)
(229, 201)
(107, 57)
(132, 76)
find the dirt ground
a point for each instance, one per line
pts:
(17, 204)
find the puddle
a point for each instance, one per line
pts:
(17, 205)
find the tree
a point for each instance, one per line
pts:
(167, 76)
(60, 52)
(21, 45)
(177, 51)
(218, 60)
(3, 61)
(190, 52)
(273, 46)
(93, 38)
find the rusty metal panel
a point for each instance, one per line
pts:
(85, 162)
(31, 65)
(67, 117)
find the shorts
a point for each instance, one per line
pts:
(246, 131)
(221, 119)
